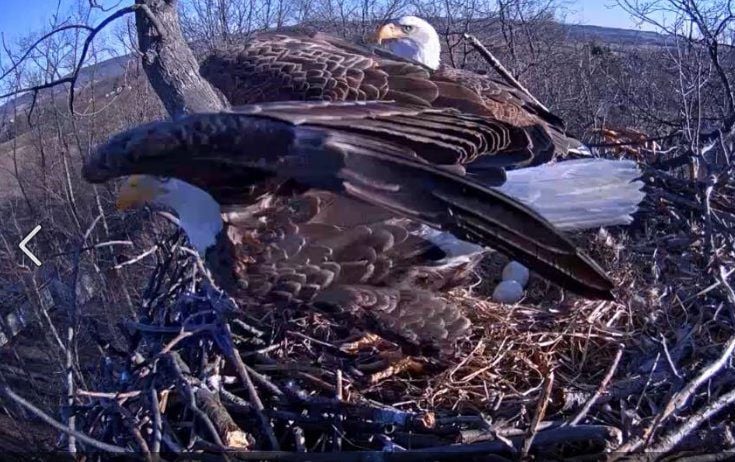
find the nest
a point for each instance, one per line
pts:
(555, 375)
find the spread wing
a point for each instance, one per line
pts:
(364, 151)
(307, 65)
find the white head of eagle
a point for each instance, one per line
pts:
(412, 38)
(199, 214)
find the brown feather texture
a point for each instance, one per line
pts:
(318, 146)
(303, 64)
(376, 277)
(375, 154)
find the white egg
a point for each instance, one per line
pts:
(508, 292)
(514, 271)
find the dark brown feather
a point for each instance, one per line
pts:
(312, 146)
(303, 64)
(368, 275)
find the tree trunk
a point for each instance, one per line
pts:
(169, 63)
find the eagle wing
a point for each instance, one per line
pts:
(302, 64)
(364, 151)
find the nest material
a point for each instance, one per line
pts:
(553, 375)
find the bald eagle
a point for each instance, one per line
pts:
(412, 38)
(364, 183)
(317, 204)
(303, 64)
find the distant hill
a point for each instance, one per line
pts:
(615, 36)
(107, 73)
(110, 69)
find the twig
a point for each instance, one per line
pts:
(72, 80)
(105, 395)
(669, 359)
(137, 258)
(38, 42)
(329, 346)
(680, 398)
(559, 435)
(601, 389)
(70, 344)
(91, 227)
(184, 334)
(540, 412)
(299, 440)
(263, 381)
(157, 426)
(190, 398)
(722, 275)
(233, 401)
(711, 287)
(671, 439)
(340, 386)
(61, 427)
(229, 431)
(500, 69)
(225, 342)
(129, 422)
(707, 212)
(490, 451)
(248, 328)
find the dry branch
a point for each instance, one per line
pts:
(500, 69)
(7, 392)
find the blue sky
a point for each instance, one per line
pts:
(600, 13)
(21, 16)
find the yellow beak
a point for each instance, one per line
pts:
(388, 31)
(135, 192)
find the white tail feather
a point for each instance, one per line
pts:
(573, 195)
(579, 194)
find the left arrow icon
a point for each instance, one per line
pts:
(26, 240)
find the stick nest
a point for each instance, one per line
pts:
(555, 374)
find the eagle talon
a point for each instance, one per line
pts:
(388, 361)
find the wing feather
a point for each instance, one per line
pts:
(302, 64)
(215, 151)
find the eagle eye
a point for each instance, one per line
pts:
(164, 179)
(406, 28)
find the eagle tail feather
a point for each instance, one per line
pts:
(579, 194)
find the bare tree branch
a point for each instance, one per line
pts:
(72, 80)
